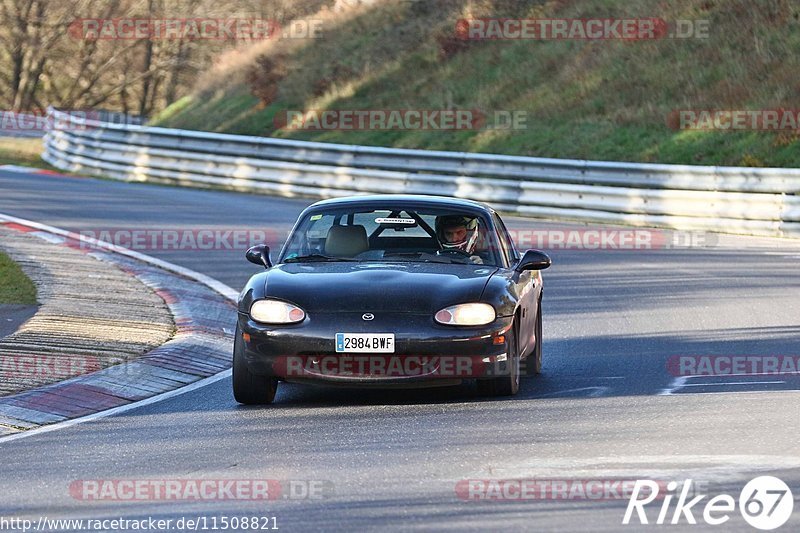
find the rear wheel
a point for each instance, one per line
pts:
(533, 363)
(249, 388)
(507, 384)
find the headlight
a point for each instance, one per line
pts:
(276, 312)
(466, 315)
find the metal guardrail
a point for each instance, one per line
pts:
(760, 201)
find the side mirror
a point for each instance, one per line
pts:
(533, 260)
(259, 255)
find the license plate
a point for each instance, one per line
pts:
(365, 342)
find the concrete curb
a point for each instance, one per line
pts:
(204, 317)
(92, 314)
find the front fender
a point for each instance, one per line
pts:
(502, 292)
(255, 289)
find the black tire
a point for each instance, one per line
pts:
(249, 388)
(533, 363)
(506, 385)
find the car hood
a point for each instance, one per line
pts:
(367, 287)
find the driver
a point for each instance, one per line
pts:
(458, 232)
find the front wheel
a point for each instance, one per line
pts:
(249, 388)
(533, 363)
(507, 384)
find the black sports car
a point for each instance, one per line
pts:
(391, 291)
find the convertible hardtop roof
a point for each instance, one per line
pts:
(411, 200)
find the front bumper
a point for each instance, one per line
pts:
(426, 353)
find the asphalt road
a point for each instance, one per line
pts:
(607, 407)
(12, 316)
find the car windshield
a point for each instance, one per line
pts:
(393, 234)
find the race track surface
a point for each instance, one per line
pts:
(606, 407)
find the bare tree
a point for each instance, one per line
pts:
(46, 60)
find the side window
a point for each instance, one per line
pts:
(507, 244)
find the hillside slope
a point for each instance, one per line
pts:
(593, 99)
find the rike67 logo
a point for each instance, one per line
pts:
(765, 502)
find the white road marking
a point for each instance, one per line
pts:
(17, 168)
(49, 237)
(597, 392)
(726, 383)
(678, 467)
(681, 382)
(676, 384)
(117, 410)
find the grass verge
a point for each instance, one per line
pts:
(585, 99)
(15, 286)
(24, 152)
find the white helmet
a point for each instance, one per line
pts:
(452, 221)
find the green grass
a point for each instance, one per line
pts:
(605, 100)
(15, 287)
(20, 151)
